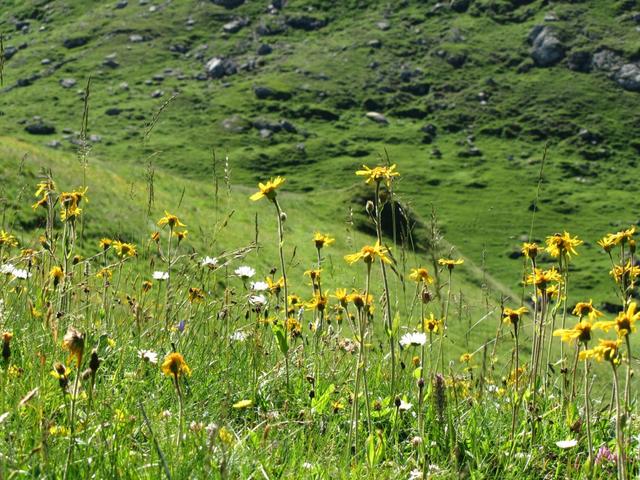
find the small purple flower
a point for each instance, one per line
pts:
(605, 455)
(181, 326)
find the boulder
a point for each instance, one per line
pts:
(10, 52)
(580, 61)
(264, 49)
(377, 117)
(235, 25)
(264, 93)
(547, 50)
(236, 124)
(121, 4)
(68, 82)
(628, 77)
(39, 127)
(113, 111)
(218, 67)
(305, 22)
(75, 42)
(606, 60)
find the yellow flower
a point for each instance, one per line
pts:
(342, 296)
(586, 308)
(512, 316)
(378, 174)
(124, 249)
(313, 274)
(170, 220)
(104, 273)
(625, 322)
(322, 240)
(74, 342)
(420, 275)
(196, 295)
(225, 436)
(155, 237)
(318, 302)
(466, 357)
(360, 301)
(529, 250)
(608, 242)
(6, 345)
(369, 254)
(608, 351)
(268, 189)
(70, 213)
(56, 274)
(560, 244)
(542, 278)
(243, 404)
(7, 240)
(450, 263)
(105, 243)
(625, 273)
(275, 287)
(624, 236)
(581, 332)
(294, 299)
(431, 324)
(45, 188)
(180, 234)
(174, 365)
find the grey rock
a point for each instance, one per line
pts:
(39, 127)
(54, 144)
(113, 111)
(228, 3)
(68, 82)
(264, 93)
(306, 22)
(158, 77)
(580, 61)
(375, 43)
(264, 133)
(75, 42)
(10, 52)
(628, 77)
(264, 49)
(235, 25)
(136, 38)
(606, 60)
(460, 6)
(377, 117)
(95, 138)
(179, 48)
(551, 17)
(157, 94)
(547, 50)
(123, 86)
(121, 4)
(218, 67)
(45, 61)
(110, 61)
(383, 25)
(236, 124)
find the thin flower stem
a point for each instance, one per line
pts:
(72, 430)
(587, 410)
(622, 462)
(284, 277)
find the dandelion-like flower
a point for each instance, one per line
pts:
(7, 240)
(174, 365)
(586, 309)
(318, 302)
(268, 190)
(171, 220)
(322, 240)
(56, 274)
(378, 174)
(512, 316)
(529, 250)
(542, 278)
(450, 263)
(421, 274)
(607, 350)
(580, 332)
(431, 324)
(560, 244)
(195, 295)
(625, 322)
(368, 254)
(124, 249)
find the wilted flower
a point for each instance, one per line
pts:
(73, 341)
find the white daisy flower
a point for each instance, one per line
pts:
(245, 272)
(210, 262)
(414, 339)
(259, 286)
(238, 336)
(161, 275)
(148, 356)
(405, 406)
(567, 443)
(20, 273)
(258, 300)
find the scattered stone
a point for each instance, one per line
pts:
(460, 6)
(375, 43)
(306, 22)
(377, 117)
(110, 61)
(264, 133)
(45, 61)
(10, 52)
(383, 25)
(235, 25)
(54, 144)
(236, 124)
(121, 4)
(606, 60)
(190, 22)
(22, 25)
(218, 67)
(157, 94)
(628, 77)
(179, 48)
(113, 111)
(271, 27)
(75, 42)
(158, 77)
(264, 93)
(37, 126)
(136, 38)
(95, 138)
(68, 82)
(547, 50)
(264, 49)
(580, 61)
(124, 86)
(551, 17)
(228, 3)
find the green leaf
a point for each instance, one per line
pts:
(320, 403)
(281, 337)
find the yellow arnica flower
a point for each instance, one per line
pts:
(431, 324)
(174, 365)
(512, 316)
(625, 322)
(56, 274)
(342, 296)
(180, 234)
(196, 295)
(562, 244)
(420, 275)
(368, 254)
(275, 287)
(124, 249)
(466, 357)
(450, 263)
(294, 299)
(7, 240)
(322, 240)
(608, 242)
(313, 274)
(318, 302)
(581, 332)
(378, 174)
(529, 250)
(624, 236)
(171, 220)
(607, 351)
(73, 341)
(360, 301)
(586, 308)
(625, 273)
(542, 278)
(105, 243)
(268, 189)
